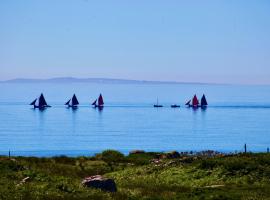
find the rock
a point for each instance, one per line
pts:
(156, 161)
(26, 179)
(100, 182)
(137, 152)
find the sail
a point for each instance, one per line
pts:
(33, 103)
(94, 103)
(68, 102)
(203, 101)
(195, 101)
(75, 100)
(42, 101)
(100, 100)
(188, 103)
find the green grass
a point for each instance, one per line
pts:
(241, 176)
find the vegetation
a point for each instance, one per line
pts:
(138, 176)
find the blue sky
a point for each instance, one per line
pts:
(193, 41)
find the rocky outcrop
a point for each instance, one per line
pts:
(100, 182)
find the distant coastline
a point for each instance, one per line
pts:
(99, 80)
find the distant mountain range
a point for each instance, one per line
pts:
(92, 80)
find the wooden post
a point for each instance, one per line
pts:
(245, 148)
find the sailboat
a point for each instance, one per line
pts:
(158, 105)
(203, 102)
(73, 102)
(98, 103)
(40, 102)
(195, 102)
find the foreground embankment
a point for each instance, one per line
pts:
(139, 175)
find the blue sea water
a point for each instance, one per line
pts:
(236, 115)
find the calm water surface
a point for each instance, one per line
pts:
(236, 115)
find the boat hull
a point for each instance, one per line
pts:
(203, 107)
(41, 107)
(158, 106)
(99, 107)
(73, 107)
(175, 106)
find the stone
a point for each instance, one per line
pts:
(23, 181)
(100, 182)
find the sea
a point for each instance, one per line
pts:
(236, 115)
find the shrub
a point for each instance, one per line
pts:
(141, 159)
(111, 156)
(208, 164)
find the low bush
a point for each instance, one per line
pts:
(111, 156)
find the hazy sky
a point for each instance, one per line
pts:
(195, 41)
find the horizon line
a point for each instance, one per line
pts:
(119, 80)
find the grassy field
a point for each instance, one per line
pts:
(138, 176)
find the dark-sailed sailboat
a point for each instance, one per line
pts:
(203, 102)
(40, 102)
(73, 102)
(98, 103)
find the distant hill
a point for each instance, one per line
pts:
(91, 80)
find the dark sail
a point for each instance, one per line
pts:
(94, 103)
(68, 102)
(75, 100)
(33, 103)
(42, 101)
(203, 101)
(100, 100)
(195, 101)
(188, 103)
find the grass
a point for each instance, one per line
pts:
(239, 176)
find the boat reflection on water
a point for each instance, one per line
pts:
(100, 109)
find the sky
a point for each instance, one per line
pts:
(225, 41)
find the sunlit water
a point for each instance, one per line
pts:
(236, 115)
